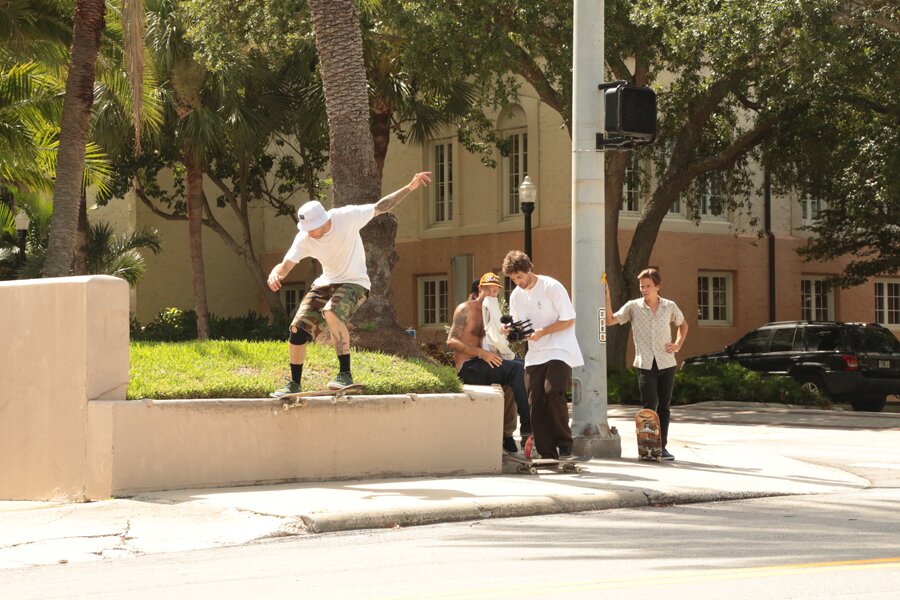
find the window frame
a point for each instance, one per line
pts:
(631, 198)
(441, 185)
(510, 191)
(711, 189)
(883, 301)
(810, 313)
(421, 282)
(729, 299)
(300, 289)
(807, 218)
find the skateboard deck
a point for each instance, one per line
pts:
(296, 400)
(646, 424)
(531, 465)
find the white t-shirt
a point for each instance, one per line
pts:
(340, 250)
(546, 303)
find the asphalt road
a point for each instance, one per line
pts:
(844, 545)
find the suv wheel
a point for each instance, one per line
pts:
(868, 403)
(813, 383)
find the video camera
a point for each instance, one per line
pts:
(518, 330)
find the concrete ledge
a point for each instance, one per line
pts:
(138, 446)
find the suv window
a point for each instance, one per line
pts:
(753, 342)
(783, 339)
(873, 339)
(823, 339)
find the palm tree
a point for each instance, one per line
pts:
(356, 176)
(89, 21)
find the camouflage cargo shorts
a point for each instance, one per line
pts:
(342, 298)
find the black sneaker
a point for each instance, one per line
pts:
(666, 455)
(565, 453)
(525, 431)
(509, 445)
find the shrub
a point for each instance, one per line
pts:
(734, 383)
(713, 382)
(176, 325)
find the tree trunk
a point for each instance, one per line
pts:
(357, 179)
(89, 22)
(194, 192)
(81, 237)
(617, 280)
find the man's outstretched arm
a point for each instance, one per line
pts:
(388, 203)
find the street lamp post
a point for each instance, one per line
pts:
(527, 196)
(22, 223)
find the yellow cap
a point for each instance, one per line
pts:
(489, 279)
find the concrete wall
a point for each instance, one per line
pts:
(207, 443)
(64, 342)
(66, 432)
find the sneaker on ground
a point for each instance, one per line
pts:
(291, 387)
(342, 379)
(666, 455)
(509, 445)
(565, 453)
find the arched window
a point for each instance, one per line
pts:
(513, 133)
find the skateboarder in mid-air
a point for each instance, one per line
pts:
(331, 237)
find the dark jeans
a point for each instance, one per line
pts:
(656, 394)
(547, 385)
(512, 373)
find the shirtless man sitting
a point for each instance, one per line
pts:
(478, 363)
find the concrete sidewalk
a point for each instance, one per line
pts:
(33, 533)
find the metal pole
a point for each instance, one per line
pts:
(593, 435)
(23, 238)
(527, 209)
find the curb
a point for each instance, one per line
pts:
(496, 508)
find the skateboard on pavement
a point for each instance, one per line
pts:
(646, 424)
(296, 400)
(530, 461)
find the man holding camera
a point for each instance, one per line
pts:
(552, 352)
(479, 362)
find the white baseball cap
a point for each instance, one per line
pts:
(311, 215)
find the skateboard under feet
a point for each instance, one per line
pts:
(646, 424)
(296, 400)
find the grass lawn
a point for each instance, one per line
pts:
(238, 369)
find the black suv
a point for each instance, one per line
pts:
(857, 363)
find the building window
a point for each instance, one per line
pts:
(887, 303)
(714, 295)
(712, 198)
(675, 209)
(515, 167)
(292, 296)
(631, 188)
(816, 299)
(811, 207)
(508, 286)
(434, 296)
(442, 188)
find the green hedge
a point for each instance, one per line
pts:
(176, 325)
(717, 382)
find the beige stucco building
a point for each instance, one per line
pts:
(717, 269)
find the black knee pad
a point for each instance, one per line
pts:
(299, 337)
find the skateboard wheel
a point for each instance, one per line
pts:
(532, 471)
(285, 406)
